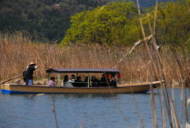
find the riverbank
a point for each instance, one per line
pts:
(17, 51)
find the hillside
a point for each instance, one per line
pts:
(45, 20)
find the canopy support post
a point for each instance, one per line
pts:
(89, 81)
(59, 80)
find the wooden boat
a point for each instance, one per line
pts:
(120, 88)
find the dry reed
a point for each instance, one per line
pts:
(158, 66)
(16, 51)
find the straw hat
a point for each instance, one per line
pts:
(31, 63)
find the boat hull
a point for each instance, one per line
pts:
(23, 89)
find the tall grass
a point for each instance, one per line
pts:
(17, 50)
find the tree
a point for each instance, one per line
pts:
(114, 23)
(173, 23)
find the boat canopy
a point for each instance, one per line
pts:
(82, 70)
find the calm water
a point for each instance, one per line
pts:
(78, 111)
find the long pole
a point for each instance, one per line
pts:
(15, 77)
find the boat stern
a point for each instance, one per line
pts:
(6, 89)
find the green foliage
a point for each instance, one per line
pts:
(173, 23)
(114, 23)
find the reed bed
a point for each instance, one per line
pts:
(17, 51)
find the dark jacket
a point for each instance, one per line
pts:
(28, 74)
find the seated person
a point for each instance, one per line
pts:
(104, 81)
(78, 82)
(94, 81)
(66, 79)
(52, 82)
(73, 78)
(85, 83)
(113, 82)
(69, 83)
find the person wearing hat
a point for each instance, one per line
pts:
(28, 73)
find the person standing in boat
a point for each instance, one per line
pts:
(28, 73)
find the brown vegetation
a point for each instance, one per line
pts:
(17, 51)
